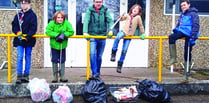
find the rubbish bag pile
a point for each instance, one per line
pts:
(153, 92)
(62, 95)
(39, 90)
(122, 94)
(94, 91)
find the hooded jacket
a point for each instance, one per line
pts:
(29, 27)
(53, 29)
(95, 24)
(188, 23)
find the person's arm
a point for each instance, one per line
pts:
(50, 30)
(69, 31)
(33, 27)
(15, 25)
(109, 19)
(86, 21)
(195, 25)
(141, 26)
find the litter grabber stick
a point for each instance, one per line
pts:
(59, 71)
(22, 36)
(188, 56)
(110, 34)
(117, 21)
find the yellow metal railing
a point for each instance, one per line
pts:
(88, 50)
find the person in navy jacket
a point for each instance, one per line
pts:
(188, 27)
(24, 26)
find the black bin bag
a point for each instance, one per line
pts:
(153, 92)
(94, 91)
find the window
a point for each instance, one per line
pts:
(8, 4)
(201, 5)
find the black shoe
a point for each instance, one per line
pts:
(63, 80)
(120, 64)
(119, 70)
(18, 81)
(112, 58)
(25, 78)
(54, 81)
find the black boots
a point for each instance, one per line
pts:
(25, 78)
(120, 64)
(22, 78)
(113, 55)
(19, 77)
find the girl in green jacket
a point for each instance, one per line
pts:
(59, 29)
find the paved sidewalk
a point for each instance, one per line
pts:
(109, 75)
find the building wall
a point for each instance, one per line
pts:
(6, 19)
(160, 25)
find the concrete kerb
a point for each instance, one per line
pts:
(174, 88)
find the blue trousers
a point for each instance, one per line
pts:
(126, 43)
(21, 50)
(96, 51)
(178, 35)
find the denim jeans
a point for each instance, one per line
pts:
(21, 50)
(178, 35)
(55, 55)
(126, 43)
(96, 51)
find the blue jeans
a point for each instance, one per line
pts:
(96, 51)
(126, 43)
(178, 35)
(21, 50)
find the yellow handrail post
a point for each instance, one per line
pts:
(160, 60)
(9, 59)
(88, 61)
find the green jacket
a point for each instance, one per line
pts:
(97, 25)
(54, 29)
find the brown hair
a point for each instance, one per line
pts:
(56, 14)
(187, 1)
(140, 9)
(28, 1)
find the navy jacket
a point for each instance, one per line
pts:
(188, 23)
(29, 27)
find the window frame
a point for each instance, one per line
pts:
(178, 10)
(11, 7)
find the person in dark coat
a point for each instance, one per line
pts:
(24, 26)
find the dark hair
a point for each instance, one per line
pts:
(25, 1)
(140, 9)
(56, 14)
(187, 1)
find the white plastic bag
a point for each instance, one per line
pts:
(39, 90)
(62, 95)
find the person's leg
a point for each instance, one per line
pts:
(126, 43)
(172, 46)
(28, 51)
(119, 36)
(93, 57)
(100, 51)
(20, 52)
(187, 63)
(54, 59)
(62, 65)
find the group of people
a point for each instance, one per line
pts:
(97, 22)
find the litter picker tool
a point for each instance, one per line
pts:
(188, 57)
(19, 21)
(117, 21)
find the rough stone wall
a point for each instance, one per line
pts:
(6, 19)
(161, 25)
